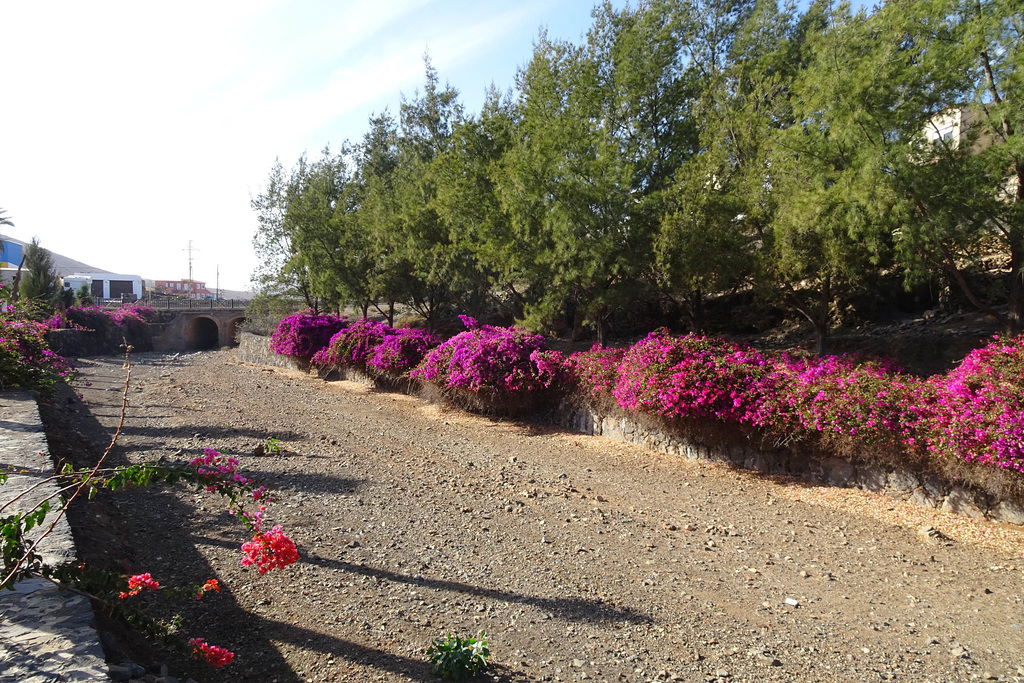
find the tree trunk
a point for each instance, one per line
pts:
(519, 307)
(1015, 307)
(821, 320)
(16, 283)
(601, 322)
(695, 310)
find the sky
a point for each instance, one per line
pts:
(130, 130)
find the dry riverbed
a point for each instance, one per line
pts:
(581, 558)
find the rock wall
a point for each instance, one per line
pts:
(81, 343)
(252, 348)
(45, 634)
(922, 489)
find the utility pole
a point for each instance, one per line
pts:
(190, 285)
(218, 282)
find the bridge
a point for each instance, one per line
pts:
(199, 329)
(195, 324)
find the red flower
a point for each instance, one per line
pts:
(215, 655)
(271, 550)
(210, 585)
(137, 583)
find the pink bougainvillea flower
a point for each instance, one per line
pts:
(138, 582)
(215, 655)
(210, 585)
(270, 550)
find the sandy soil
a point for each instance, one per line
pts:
(581, 559)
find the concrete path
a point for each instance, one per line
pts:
(45, 635)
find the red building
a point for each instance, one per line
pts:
(188, 289)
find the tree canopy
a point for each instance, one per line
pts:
(681, 150)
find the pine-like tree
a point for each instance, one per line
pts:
(41, 282)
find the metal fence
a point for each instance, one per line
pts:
(181, 304)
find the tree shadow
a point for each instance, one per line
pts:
(418, 669)
(571, 609)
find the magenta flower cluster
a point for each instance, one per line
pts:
(972, 414)
(976, 412)
(303, 334)
(95, 318)
(690, 376)
(371, 344)
(500, 359)
(26, 360)
(596, 371)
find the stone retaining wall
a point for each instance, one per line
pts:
(252, 348)
(921, 489)
(45, 635)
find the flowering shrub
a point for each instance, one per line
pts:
(399, 353)
(217, 471)
(690, 376)
(26, 362)
(976, 412)
(499, 359)
(303, 334)
(80, 318)
(846, 401)
(133, 318)
(210, 585)
(596, 370)
(137, 583)
(371, 344)
(211, 472)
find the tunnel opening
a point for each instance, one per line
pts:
(233, 330)
(202, 334)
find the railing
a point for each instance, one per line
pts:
(181, 304)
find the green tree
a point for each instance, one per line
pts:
(389, 275)
(438, 271)
(484, 252)
(716, 219)
(83, 295)
(41, 282)
(881, 81)
(568, 189)
(280, 272)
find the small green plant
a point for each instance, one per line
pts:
(456, 658)
(271, 446)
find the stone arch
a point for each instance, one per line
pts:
(201, 334)
(231, 331)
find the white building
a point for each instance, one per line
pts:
(106, 285)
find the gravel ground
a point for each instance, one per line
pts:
(581, 558)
